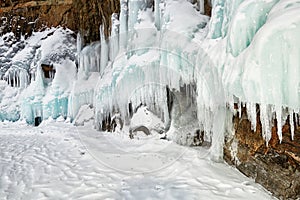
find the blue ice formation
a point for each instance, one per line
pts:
(248, 51)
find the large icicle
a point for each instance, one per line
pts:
(157, 14)
(201, 6)
(123, 24)
(79, 46)
(278, 110)
(104, 49)
(114, 38)
(292, 122)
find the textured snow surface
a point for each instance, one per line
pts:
(58, 161)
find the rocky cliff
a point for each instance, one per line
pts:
(275, 165)
(23, 17)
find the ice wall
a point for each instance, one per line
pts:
(161, 51)
(9, 106)
(244, 24)
(258, 58)
(33, 95)
(250, 49)
(44, 99)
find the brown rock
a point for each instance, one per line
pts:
(23, 17)
(276, 166)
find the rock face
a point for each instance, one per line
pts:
(23, 17)
(92, 13)
(276, 166)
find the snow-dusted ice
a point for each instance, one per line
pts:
(59, 161)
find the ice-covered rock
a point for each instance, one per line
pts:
(249, 54)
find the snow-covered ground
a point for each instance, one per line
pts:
(60, 161)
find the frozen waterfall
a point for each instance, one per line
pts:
(246, 54)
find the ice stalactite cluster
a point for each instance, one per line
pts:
(93, 60)
(17, 77)
(36, 89)
(9, 109)
(243, 59)
(260, 58)
(158, 50)
(139, 61)
(250, 56)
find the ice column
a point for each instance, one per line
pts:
(104, 49)
(24, 78)
(218, 134)
(266, 118)
(216, 21)
(134, 7)
(291, 113)
(114, 37)
(278, 110)
(201, 6)
(39, 82)
(79, 46)
(157, 14)
(123, 24)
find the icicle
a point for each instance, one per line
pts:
(98, 57)
(278, 110)
(22, 76)
(201, 6)
(114, 37)
(14, 78)
(157, 14)
(240, 109)
(133, 9)
(93, 67)
(104, 49)
(265, 121)
(291, 113)
(123, 24)
(9, 79)
(18, 79)
(218, 134)
(251, 112)
(79, 46)
(27, 79)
